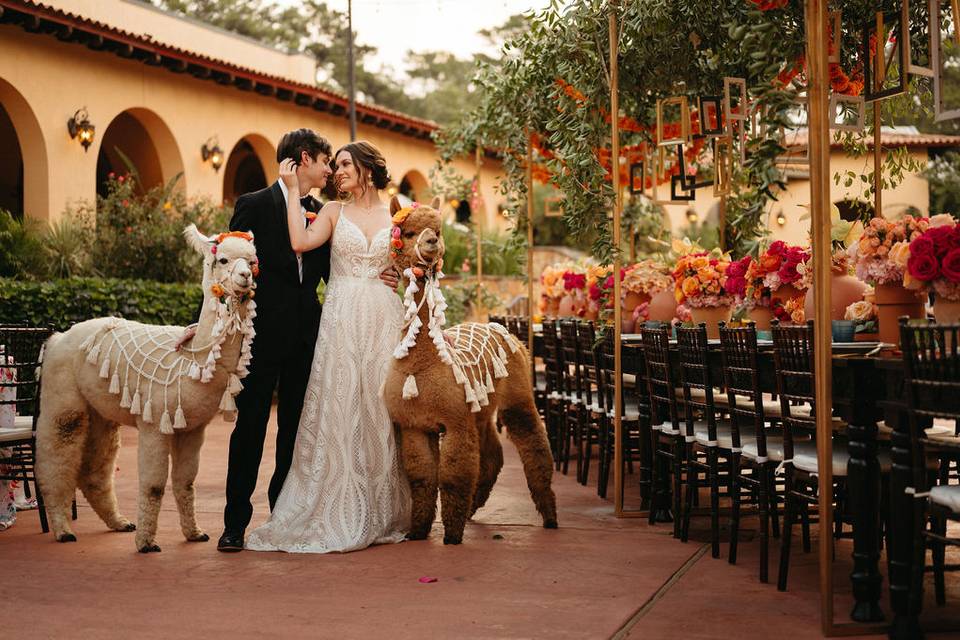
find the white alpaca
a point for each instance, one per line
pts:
(106, 372)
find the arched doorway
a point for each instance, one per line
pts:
(23, 158)
(415, 186)
(139, 137)
(248, 168)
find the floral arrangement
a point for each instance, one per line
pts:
(861, 311)
(778, 266)
(700, 278)
(789, 310)
(880, 255)
(647, 277)
(933, 258)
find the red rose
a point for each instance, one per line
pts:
(594, 292)
(788, 272)
(778, 248)
(738, 268)
(736, 285)
(797, 254)
(922, 246)
(951, 265)
(923, 266)
(942, 239)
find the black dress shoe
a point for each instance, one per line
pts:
(230, 542)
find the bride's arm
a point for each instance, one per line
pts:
(303, 239)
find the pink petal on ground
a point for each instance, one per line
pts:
(427, 579)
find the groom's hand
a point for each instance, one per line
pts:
(391, 278)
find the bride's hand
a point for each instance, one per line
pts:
(288, 173)
(390, 278)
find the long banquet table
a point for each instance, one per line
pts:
(867, 389)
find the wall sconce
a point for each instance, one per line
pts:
(211, 151)
(391, 189)
(692, 216)
(80, 127)
(781, 219)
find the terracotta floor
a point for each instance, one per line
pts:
(595, 577)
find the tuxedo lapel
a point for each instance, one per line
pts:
(280, 213)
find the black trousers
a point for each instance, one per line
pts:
(253, 413)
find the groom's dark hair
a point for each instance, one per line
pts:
(292, 144)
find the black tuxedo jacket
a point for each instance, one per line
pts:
(288, 311)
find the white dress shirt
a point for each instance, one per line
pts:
(286, 200)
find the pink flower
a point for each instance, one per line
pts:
(942, 239)
(922, 246)
(951, 265)
(923, 266)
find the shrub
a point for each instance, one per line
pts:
(21, 248)
(66, 302)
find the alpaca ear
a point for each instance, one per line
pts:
(199, 242)
(435, 203)
(394, 205)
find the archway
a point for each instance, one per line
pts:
(141, 138)
(24, 180)
(414, 185)
(248, 167)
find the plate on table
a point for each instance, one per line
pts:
(861, 347)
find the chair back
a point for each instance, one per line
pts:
(552, 357)
(741, 378)
(523, 328)
(20, 366)
(500, 320)
(572, 370)
(587, 357)
(513, 326)
(697, 379)
(931, 358)
(793, 358)
(661, 388)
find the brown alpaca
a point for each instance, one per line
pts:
(454, 383)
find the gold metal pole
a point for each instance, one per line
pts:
(723, 222)
(533, 376)
(816, 28)
(617, 204)
(478, 226)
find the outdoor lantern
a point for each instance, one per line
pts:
(211, 151)
(781, 219)
(692, 216)
(80, 127)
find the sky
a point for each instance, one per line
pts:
(396, 26)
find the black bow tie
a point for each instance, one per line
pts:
(310, 204)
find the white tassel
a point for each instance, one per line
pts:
(94, 354)
(166, 427)
(147, 412)
(469, 394)
(490, 388)
(234, 386)
(226, 402)
(135, 403)
(125, 398)
(179, 420)
(475, 407)
(501, 353)
(115, 384)
(458, 374)
(498, 369)
(410, 388)
(105, 369)
(88, 342)
(195, 371)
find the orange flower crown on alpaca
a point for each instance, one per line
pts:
(396, 242)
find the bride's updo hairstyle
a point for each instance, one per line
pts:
(368, 160)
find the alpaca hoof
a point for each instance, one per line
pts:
(198, 537)
(126, 528)
(452, 539)
(66, 537)
(418, 535)
(550, 524)
(149, 548)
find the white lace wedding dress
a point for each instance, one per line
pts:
(346, 489)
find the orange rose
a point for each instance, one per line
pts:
(690, 286)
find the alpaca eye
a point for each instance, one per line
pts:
(409, 234)
(223, 261)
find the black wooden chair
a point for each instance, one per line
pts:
(931, 356)
(555, 409)
(577, 405)
(593, 397)
(756, 451)
(21, 356)
(712, 437)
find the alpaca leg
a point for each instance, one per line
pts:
(60, 437)
(491, 461)
(419, 452)
(459, 470)
(97, 471)
(186, 462)
(527, 433)
(153, 461)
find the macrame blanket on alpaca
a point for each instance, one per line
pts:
(142, 359)
(474, 352)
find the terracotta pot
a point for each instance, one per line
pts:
(787, 292)
(761, 317)
(632, 300)
(892, 302)
(565, 308)
(663, 306)
(946, 311)
(710, 316)
(844, 291)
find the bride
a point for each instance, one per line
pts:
(346, 489)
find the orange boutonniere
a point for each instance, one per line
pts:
(310, 216)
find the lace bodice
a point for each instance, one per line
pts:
(350, 254)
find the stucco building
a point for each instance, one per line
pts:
(159, 88)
